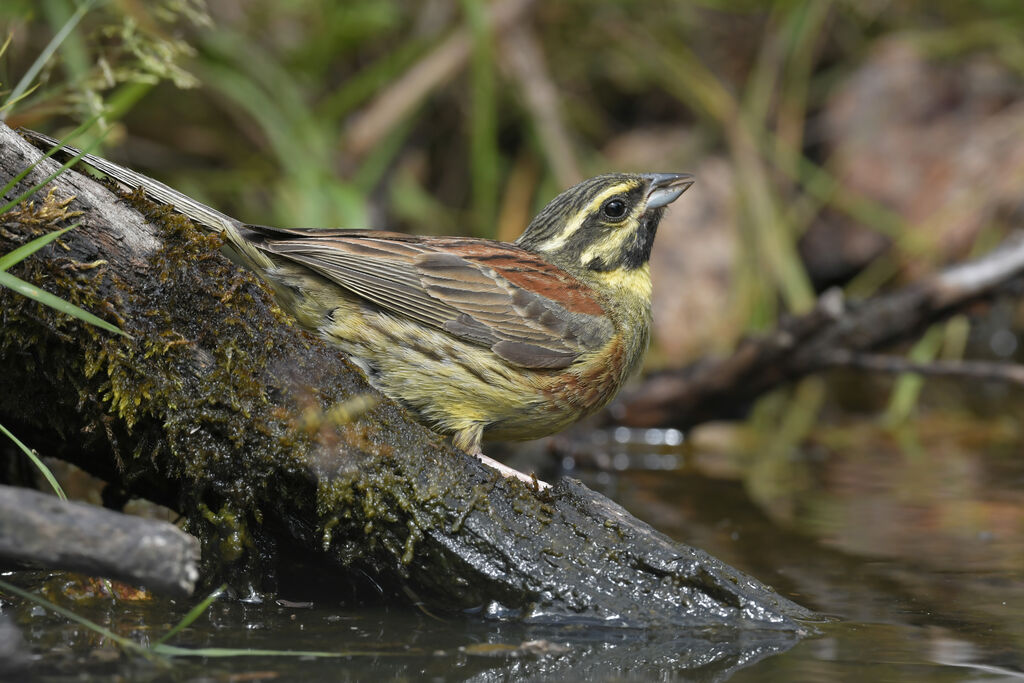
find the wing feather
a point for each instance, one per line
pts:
(527, 311)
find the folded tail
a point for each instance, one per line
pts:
(200, 213)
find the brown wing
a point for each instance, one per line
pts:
(493, 294)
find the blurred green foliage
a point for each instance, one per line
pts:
(419, 116)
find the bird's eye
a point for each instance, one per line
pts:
(614, 209)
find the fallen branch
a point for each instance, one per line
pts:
(43, 530)
(832, 333)
(262, 436)
(985, 371)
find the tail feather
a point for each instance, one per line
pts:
(205, 216)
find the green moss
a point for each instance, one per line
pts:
(208, 402)
(145, 391)
(235, 540)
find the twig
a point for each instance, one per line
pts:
(525, 59)
(994, 371)
(45, 530)
(724, 387)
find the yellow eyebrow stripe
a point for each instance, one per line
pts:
(571, 226)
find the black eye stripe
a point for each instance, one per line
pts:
(575, 219)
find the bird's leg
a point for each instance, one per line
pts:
(469, 441)
(507, 471)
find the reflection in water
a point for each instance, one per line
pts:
(387, 644)
(914, 539)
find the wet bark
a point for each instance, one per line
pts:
(279, 454)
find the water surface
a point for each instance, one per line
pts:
(911, 540)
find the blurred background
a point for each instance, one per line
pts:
(846, 144)
(852, 143)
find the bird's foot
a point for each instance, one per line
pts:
(507, 471)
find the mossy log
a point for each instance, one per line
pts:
(279, 455)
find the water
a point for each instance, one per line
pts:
(913, 541)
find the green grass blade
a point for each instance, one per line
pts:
(91, 625)
(45, 298)
(117, 106)
(907, 389)
(484, 158)
(46, 54)
(71, 136)
(193, 614)
(40, 465)
(378, 161)
(11, 102)
(367, 82)
(172, 651)
(35, 188)
(24, 251)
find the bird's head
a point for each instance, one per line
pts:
(605, 224)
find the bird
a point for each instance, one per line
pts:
(475, 337)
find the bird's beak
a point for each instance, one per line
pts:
(666, 187)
